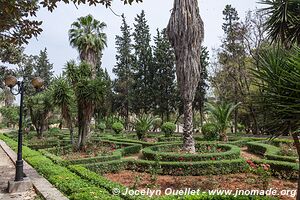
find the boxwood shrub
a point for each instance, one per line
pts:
(126, 149)
(65, 180)
(190, 168)
(269, 151)
(232, 152)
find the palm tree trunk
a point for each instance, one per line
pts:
(185, 31)
(188, 140)
(223, 136)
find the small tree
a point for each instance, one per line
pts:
(40, 107)
(221, 114)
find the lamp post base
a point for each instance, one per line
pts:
(19, 186)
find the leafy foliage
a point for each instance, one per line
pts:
(210, 131)
(221, 114)
(279, 77)
(283, 23)
(118, 127)
(168, 128)
(142, 125)
(10, 115)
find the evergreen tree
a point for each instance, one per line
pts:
(164, 86)
(142, 92)
(232, 58)
(200, 98)
(43, 68)
(123, 70)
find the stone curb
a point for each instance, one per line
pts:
(40, 184)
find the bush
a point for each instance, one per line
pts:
(168, 129)
(210, 132)
(101, 126)
(118, 127)
(143, 125)
(190, 168)
(231, 152)
(54, 131)
(157, 122)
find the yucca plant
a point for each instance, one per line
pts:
(142, 125)
(63, 97)
(221, 114)
(283, 22)
(278, 76)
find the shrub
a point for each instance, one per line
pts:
(210, 131)
(168, 129)
(101, 126)
(231, 152)
(54, 131)
(143, 125)
(190, 168)
(118, 127)
(157, 122)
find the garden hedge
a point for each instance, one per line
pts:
(189, 168)
(269, 151)
(66, 181)
(116, 155)
(151, 153)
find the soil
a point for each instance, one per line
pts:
(249, 156)
(242, 181)
(92, 152)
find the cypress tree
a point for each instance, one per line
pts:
(164, 81)
(144, 72)
(123, 70)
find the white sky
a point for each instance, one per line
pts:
(56, 25)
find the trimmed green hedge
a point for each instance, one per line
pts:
(269, 151)
(190, 168)
(150, 153)
(66, 181)
(116, 155)
(107, 167)
(282, 169)
(144, 144)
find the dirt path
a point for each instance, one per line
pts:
(249, 156)
(7, 172)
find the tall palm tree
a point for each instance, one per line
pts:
(87, 37)
(283, 23)
(186, 32)
(63, 97)
(221, 114)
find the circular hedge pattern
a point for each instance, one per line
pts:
(161, 152)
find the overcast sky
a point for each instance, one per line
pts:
(56, 25)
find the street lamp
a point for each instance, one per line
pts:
(11, 81)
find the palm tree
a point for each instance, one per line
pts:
(283, 23)
(87, 37)
(221, 114)
(63, 97)
(186, 32)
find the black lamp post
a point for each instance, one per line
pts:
(11, 82)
